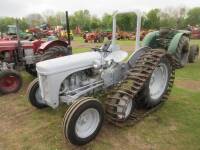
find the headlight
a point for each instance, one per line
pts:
(97, 64)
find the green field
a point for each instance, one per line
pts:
(175, 126)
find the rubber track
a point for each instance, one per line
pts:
(132, 85)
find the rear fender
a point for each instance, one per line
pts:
(174, 42)
(47, 45)
(150, 38)
(135, 55)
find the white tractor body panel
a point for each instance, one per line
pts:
(117, 56)
(51, 73)
(66, 63)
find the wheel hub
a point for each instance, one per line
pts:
(158, 81)
(127, 106)
(9, 82)
(87, 123)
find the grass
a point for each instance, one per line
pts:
(173, 127)
(189, 72)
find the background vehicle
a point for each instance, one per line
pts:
(96, 37)
(175, 42)
(17, 54)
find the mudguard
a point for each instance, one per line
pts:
(49, 44)
(136, 55)
(175, 41)
(149, 39)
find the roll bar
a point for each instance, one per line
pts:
(138, 27)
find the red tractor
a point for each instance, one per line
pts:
(96, 37)
(195, 33)
(16, 55)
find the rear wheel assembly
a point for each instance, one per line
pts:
(83, 120)
(157, 85)
(148, 83)
(10, 81)
(34, 95)
(54, 52)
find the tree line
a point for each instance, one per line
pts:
(154, 19)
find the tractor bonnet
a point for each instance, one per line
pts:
(66, 63)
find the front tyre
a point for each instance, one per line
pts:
(10, 81)
(34, 95)
(156, 87)
(83, 121)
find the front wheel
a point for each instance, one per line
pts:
(10, 81)
(83, 121)
(34, 95)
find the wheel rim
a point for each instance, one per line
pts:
(9, 83)
(87, 123)
(158, 81)
(38, 96)
(128, 108)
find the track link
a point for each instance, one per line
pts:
(132, 85)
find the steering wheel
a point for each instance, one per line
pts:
(104, 47)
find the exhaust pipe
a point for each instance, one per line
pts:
(67, 27)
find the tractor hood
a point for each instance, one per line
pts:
(6, 45)
(68, 63)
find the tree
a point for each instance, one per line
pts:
(23, 25)
(82, 19)
(106, 22)
(35, 19)
(152, 20)
(95, 23)
(4, 22)
(126, 22)
(167, 21)
(193, 16)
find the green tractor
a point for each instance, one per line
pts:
(176, 42)
(12, 31)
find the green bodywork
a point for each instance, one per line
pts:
(12, 30)
(168, 42)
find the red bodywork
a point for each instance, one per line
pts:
(195, 34)
(38, 46)
(92, 37)
(11, 45)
